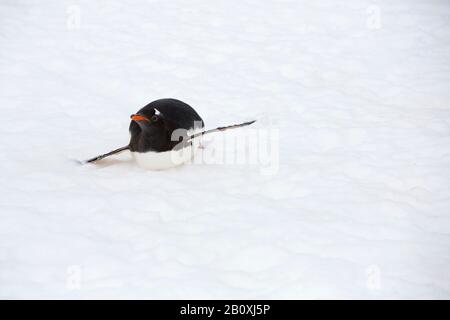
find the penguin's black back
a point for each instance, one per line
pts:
(180, 114)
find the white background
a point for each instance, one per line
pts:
(359, 206)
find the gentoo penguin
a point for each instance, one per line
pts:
(164, 134)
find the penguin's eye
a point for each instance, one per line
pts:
(154, 118)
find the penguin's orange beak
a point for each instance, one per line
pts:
(138, 117)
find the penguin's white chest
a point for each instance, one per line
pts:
(164, 160)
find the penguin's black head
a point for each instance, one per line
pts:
(149, 131)
(148, 120)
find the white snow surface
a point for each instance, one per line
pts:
(358, 208)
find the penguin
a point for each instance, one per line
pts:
(164, 134)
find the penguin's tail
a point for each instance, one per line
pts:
(100, 157)
(234, 126)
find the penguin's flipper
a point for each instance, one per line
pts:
(100, 157)
(221, 129)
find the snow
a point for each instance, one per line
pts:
(357, 204)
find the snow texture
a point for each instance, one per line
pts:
(359, 206)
